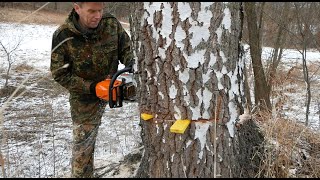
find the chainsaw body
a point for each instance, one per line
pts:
(121, 91)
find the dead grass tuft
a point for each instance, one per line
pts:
(41, 17)
(291, 149)
(7, 91)
(23, 68)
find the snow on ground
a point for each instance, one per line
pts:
(294, 94)
(37, 125)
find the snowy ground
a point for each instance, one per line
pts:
(290, 91)
(37, 126)
(36, 134)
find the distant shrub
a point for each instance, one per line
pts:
(23, 67)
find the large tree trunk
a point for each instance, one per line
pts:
(188, 67)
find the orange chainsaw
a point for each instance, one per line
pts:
(121, 91)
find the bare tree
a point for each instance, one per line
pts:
(303, 10)
(261, 89)
(119, 9)
(295, 23)
(55, 6)
(9, 53)
(283, 22)
(188, 70)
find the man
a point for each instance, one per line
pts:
(85, 50)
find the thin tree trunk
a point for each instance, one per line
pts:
(305, 33)
(307, 81)
(56, 6)
(260, 22)
(262, 95)
(279, 44)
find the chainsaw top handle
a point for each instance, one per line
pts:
(112, 103)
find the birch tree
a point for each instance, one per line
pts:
(188, 68)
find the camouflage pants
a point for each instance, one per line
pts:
(86, 116)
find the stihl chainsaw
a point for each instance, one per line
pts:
(121, 90)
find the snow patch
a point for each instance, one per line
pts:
(201, 134)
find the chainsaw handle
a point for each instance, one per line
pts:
(112, 104)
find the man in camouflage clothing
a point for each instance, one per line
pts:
(85, 50)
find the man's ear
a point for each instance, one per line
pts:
(76, 7)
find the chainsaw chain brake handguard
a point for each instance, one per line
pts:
(118, 89)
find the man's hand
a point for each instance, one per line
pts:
(101, 89)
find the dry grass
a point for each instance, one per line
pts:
(41, 17)
(291, 149)
(24, 67)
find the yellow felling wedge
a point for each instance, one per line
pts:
(180, 126)
(146, 116)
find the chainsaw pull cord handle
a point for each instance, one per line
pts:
(112, 104)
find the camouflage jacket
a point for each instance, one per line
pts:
(79, 58)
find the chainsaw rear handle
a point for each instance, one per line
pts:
(116, 103)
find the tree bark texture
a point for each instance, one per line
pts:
(188, 67)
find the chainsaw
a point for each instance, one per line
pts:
(121, 90)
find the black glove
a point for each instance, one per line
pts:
(93, 88)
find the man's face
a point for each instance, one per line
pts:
(90, 13)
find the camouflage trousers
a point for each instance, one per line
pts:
(86, 116)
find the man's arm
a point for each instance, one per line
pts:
(61, 68)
